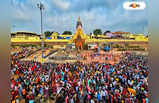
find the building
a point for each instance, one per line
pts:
(24, 37)
(79, 38)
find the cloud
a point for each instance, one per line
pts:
(61, 15)
(20, 15)
(63, 5)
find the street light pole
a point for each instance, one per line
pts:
(41, 7)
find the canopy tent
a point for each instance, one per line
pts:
(106, 48)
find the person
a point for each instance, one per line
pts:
(93, 82)
(31, 101)
(103, 96)
(92, 101)
(66, 99)
(146, 100)
(98, 97)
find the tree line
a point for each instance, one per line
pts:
(95, 32)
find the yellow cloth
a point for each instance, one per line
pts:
(42, 60)
(132, 91)
(117, 79)
(13, 101)
(39, 95)
(132, 82)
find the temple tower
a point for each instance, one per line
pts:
(79, 37)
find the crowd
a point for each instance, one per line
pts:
(125, 82)
(23, 52)
(29, 82)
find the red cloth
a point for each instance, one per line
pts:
(124, 92)
(33, 67)
(37, 79)
(116, 100)
(112, 98)
(117, 94)
(17, 72)
(13, 82)
(143, 100)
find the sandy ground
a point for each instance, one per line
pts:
(36, 56)
(85, 56)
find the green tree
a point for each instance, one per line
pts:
(85, 46)
(48, 33)
(13, 34)
(97, 32)
(67, 33)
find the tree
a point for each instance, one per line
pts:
(85, 46)
(97, 32)
(13, 34)
(105, 33)
(67, 33)
(48, 33)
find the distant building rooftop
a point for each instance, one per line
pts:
(24, 33)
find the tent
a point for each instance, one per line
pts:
(49, 38)
(68, 37)
(106, 48)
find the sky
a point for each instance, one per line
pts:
(62, 15)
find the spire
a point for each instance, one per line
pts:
(79, 24)
(79, 19)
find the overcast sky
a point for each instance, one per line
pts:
(61, 15)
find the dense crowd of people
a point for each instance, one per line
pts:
(124, 82)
